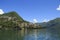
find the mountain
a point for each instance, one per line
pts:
(11, 20)
(55, 22)
(43, 24)
(52, 24)
(13, 14)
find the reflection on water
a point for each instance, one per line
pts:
(36, 34)
(30, 34)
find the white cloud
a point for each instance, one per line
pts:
(35, 20)
(1, 11)
(58, 8)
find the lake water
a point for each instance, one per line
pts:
(30, 34)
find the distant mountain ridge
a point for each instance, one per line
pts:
(55, 23)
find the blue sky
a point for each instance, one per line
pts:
(38, 10)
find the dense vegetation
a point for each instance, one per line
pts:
(13, 14)
(5, 23)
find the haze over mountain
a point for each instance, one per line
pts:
(54, 23)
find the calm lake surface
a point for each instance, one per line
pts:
(30, 34)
